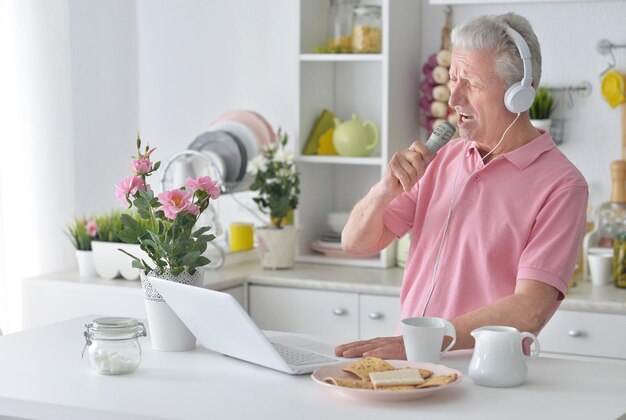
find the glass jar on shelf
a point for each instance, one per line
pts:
(112, 345)
(367, 29)
(619, 261)
(340, 25)
(612, 214)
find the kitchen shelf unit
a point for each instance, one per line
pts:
(382, 88)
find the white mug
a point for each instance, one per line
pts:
(423, 338)
(600, 268)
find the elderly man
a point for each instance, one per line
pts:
(497, 217)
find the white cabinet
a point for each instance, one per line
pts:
(304, 311)
(585, 334)
(378, 316)
(382, 88)
(338, 314)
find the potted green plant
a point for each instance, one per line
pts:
(109, 262)
(541, 109)
(277, 184)
(168, 235)
(81, 232)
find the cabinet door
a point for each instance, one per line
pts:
(378, 316)
(304, 311)
(585, 334)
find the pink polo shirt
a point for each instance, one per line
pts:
(521, 216)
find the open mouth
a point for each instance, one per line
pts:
(465, 117)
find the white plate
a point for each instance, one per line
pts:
(372, 394)
(334, 250)
(243, 133)
(254, 121)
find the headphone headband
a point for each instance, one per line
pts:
(520, 95)
(524, 53)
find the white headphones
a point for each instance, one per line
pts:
(519, 97)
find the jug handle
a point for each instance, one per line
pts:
(374, 129)
(535, 351)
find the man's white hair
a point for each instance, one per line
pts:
(489, 33)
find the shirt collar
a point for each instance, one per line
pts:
(523, 156)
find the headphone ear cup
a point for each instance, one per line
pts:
(518, 99)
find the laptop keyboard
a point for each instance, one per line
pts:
(299, 357)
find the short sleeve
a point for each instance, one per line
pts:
(554, 243)
(399, 215)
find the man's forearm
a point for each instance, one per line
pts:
(365, 231)
(527, 310)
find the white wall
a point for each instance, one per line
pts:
(105, 96)
(568, 33)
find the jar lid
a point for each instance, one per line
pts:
(368, 8)
(115, 328)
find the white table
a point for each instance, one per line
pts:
(43, 376)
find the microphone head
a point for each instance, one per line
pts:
(440, 137)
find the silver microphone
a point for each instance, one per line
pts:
(440, 137)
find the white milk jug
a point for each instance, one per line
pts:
(498, 360)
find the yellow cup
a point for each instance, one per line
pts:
(241, 236)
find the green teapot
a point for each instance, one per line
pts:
(355, 137)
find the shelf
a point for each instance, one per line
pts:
(341, 160)
(341, 57)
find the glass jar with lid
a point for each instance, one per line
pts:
(366, 29)
(619, 261)
(112, 345)
(340, 25)
(612, 214)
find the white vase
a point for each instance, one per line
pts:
(542, 124)
(86, 266)
(110, 262)
(167, 331)
(277, 247)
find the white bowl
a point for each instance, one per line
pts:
(337, 220)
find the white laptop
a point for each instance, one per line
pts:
(220, 324)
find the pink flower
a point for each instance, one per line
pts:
(176, 201)
(141, 166)
(129, 186)
(206, 184)
(92, 228)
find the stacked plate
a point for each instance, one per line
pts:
(234, 138)
(329, 244)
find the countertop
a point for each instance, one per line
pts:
(585, 297)
(43, 376)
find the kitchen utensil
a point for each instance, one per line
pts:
(423, 338)
(242, 132)
(355, 137)
(254, 121)
(498, 360)
(229, 148)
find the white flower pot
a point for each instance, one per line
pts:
(542, 124)
(110, 262)
(167, 331)
(86, 266)
(277, 247)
